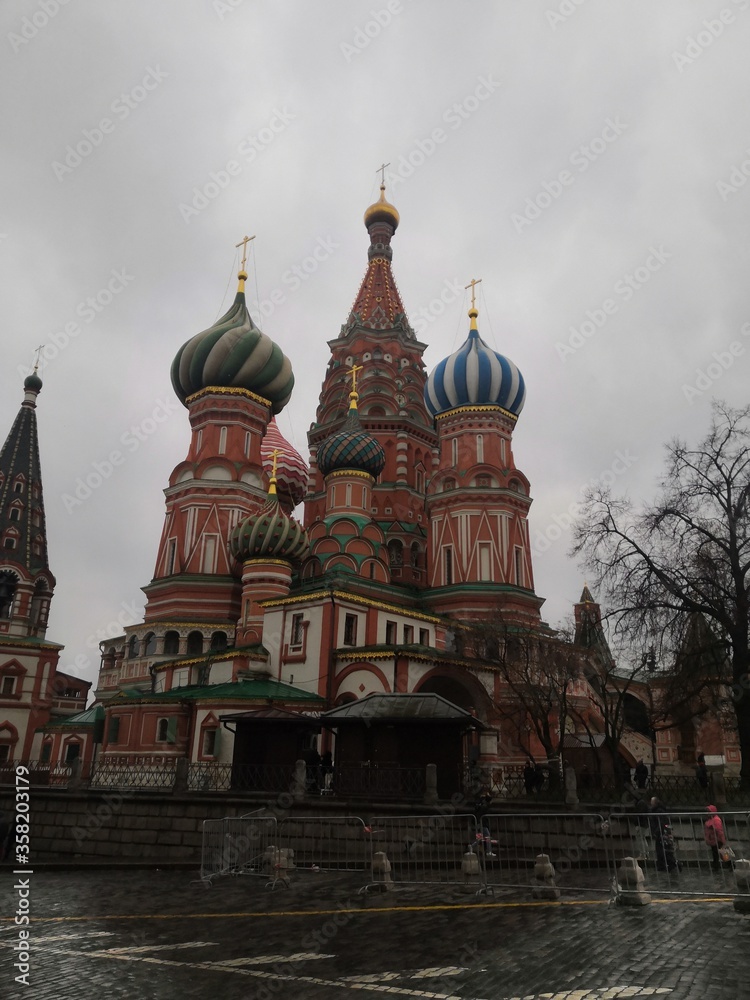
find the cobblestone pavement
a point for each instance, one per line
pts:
(157, 934)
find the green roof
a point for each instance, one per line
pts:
(249, 690)
(78, 721)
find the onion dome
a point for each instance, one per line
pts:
(32, 383)
(382, 211)
(352, 449)
(269, 534)
(475, 375)
(291, 470)
(234, 353)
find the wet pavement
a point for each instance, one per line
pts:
(162, 934)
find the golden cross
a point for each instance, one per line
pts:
(353, 372)
(471, 285)
(381, 168)
(243, 243)
(38, 356)
(274, 461)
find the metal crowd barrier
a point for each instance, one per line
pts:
(671, 850)
(325, 844)
(428, 850)
(240, 845)
(574, 843)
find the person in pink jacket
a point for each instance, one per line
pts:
(714, 833)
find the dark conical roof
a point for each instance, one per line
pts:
(23, 536)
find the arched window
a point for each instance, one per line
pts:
(395, 552)
(46, 754)
(132, 647)
(162, 730)
(219, 640)
(15, 513)
(172, 643)
(8, 582)
(480, 449)
(195, 644)
(40, 603)
(150, 647)
(415, 554)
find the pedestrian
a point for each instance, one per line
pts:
(714, 835)
(326, 770)
(529, 777)
(641, 774)
(482, 803)
(662, 836)
(701, 774)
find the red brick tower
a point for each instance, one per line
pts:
(377, 335)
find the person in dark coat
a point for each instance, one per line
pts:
(641, 774)
(529, 777)
(661, 834)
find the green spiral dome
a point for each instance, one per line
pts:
(234, 353)
(269, 534)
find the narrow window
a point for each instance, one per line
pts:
(390, 633)
(172, 643)
(485, 560)
(9, 685)
(480, 449)
(72, 752)
(46, 752)
(447, 566)
(454, 453)
(350, 630)
(408, 635)
(519, 565)
(199, 440)
(209, 554)
(209, 742)
(424, 637)
(222, 440)
(297, 633)
(247, 444)
(114, 729)
(162, 729)
(502, 450)
(15, 514)
(171, 553)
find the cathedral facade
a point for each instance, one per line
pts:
(415, 528)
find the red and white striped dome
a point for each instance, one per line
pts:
(291, 470)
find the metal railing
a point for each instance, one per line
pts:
(113, 774)
(41, 772)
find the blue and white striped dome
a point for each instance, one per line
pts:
(475, 375)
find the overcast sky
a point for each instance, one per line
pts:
(584, 159)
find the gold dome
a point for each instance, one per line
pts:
(382, 211)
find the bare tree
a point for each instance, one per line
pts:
(686, 554)
(538, 671)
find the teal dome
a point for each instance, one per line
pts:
(234, 353)
(269, 534)
(352, 448)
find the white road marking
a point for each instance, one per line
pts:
(128, 950)
(267, 959)
(67, 937)
(600, 993)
